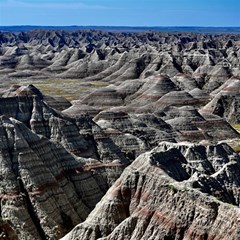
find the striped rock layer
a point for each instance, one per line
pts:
(175, 191)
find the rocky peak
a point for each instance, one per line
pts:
(175, 191)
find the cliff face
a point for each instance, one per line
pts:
(54, 169)
(46, 190)
(79, 135)
(175, 191)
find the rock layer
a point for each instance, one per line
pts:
(44, 187)
(176, 191)
(54, 168)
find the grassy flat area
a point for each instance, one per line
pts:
(236, 127)
(235, 146)
(71, 89)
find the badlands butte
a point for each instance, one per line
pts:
(119, 135)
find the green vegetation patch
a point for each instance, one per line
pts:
(71, 89)
(236, 127)
(236, 148)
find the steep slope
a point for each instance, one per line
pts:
(45, 190)
(226, 101)
(54, 169)
(176, 191)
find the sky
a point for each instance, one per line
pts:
(120, 12)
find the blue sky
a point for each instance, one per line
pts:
(120, 13)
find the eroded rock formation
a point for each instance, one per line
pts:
(175, 191)
(118, 56)
(157, 93)
(54, 169)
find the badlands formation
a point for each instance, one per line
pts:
(149, 151)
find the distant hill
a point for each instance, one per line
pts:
(217, 30)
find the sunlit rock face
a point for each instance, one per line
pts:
(175, 191)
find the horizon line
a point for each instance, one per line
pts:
(127, 26)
